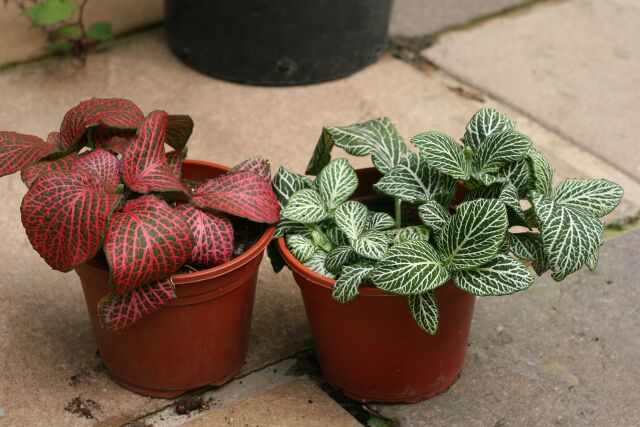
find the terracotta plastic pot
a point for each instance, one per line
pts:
(199, 339)
(371, 348)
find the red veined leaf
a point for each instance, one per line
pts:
(112, 139)
(112, 112)
(144, 165)
(212, 235)
(243, 194)
(174, 160)
(104, 165)
(54, 139)
(30, 173)
(65, 216)
(255, 164)
(18, 151)
(179, 130)
(146, 242)
(117, 312)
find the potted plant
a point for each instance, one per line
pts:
(167, 250)
(389, 260)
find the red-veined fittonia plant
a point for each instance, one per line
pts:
(104, 183)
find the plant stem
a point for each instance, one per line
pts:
(398, 206)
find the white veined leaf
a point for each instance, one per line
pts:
(414, 181)
(316, 263)
(286, 183)
(499, 149)
(509, 196)
(378, 137)
(434, 215)
(286, 226)
(351, 217)
(320, 240)
(412, 267)
(540, 172)
(597, 196)
(592, 260)
(336, 236)
(443, 153)
(305, 206)
(570, 236)
(301, 247)
(412, 232)
(380, 221)
(338, 257)
(336, 183)
(346, 287)
(518, 174)
(482, 179)
(502, 275)
(474, 235)
(371, 244)
(321, 154)
(484, 123)
(528, 246)
(424, 310)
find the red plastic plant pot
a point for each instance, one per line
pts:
(371, 348)
(199, 339)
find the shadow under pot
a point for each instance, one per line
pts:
(371, 348)
(198, 339)
(277, 42)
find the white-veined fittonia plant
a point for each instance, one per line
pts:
(510, 220)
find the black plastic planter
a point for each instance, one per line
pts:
(278, 42)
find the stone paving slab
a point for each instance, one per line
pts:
(572, 65)
(300, 403)
(560, 354)
(47, 349)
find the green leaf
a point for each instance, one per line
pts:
(336, 183)
(482, 179)
(412, 232)
(346, 287)
(518, 174)
(371, 244)
(380, 221)
(501, 276)
(339, 257)
(58, 47)
(434, 215)
(443, 153)
(100, 31)
(424, 310)
(320, 240)
(474, 235)
(49, 12)
(570, 236)
(414, 181)
(484, 123)
(321, 154)
(351, 217)
(412, 267)
(301, 247)
(336, 236)
(305, 206)
(378, 138)
(597, 196)
(500, 148)
(528, 246)
(541, 172)
(67, 31)
(509, 196)
(286, 183)
(316, 263)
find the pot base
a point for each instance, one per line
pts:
(169, 394)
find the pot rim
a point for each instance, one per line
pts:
(219, 270)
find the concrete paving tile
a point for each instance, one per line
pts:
(557, 354)
(572, 65)
(300, 403)
(45, 335)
